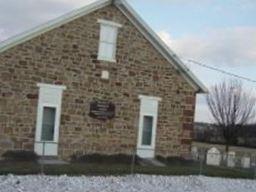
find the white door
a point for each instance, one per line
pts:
(48, 120)
(147, 126)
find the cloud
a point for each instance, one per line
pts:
(228, 47)
(242, 3)
(202, 112)
(18, 16)
(2, 34)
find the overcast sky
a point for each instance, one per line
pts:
(216, 32)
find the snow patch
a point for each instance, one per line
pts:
(137, 183)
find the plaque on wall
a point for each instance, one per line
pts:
(102, 110)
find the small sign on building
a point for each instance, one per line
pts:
(102, 110)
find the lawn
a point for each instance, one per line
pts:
(92, 169)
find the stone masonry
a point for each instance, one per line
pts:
(67, 55)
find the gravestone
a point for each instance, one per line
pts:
(231, 159)
(194, 152)
(246, 162)
(5, 144)
(213, 157)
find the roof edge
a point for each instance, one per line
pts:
(161, 46)
(134, 18)
(38, 30)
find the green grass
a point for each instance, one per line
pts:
(76, 169)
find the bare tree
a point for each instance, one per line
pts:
(231, 108)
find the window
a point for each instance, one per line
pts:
(108, 40)
(147, 130)
(48, 124)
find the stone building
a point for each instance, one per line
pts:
(97, 80)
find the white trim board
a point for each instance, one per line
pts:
(130, 13)
(43, 85)
(111, 23)
(141, 97)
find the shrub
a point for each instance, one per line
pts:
(175, 160)
(104, 159)
(20, 155)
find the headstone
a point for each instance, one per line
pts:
(194, 152)
(246, 162)
(5, 145)
(213, 157)
(231, 159)
(253, 160)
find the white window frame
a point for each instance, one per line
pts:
(56, 123)
(142, 115)
(116, 26)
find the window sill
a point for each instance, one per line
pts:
(146, 147)
(108, 60)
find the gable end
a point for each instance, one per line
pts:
(129, 12)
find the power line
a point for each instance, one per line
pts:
(221, 71)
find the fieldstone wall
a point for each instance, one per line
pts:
(68, 55)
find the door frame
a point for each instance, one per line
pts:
(147, 151)
(49, 96)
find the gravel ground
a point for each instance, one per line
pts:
(138, 183)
